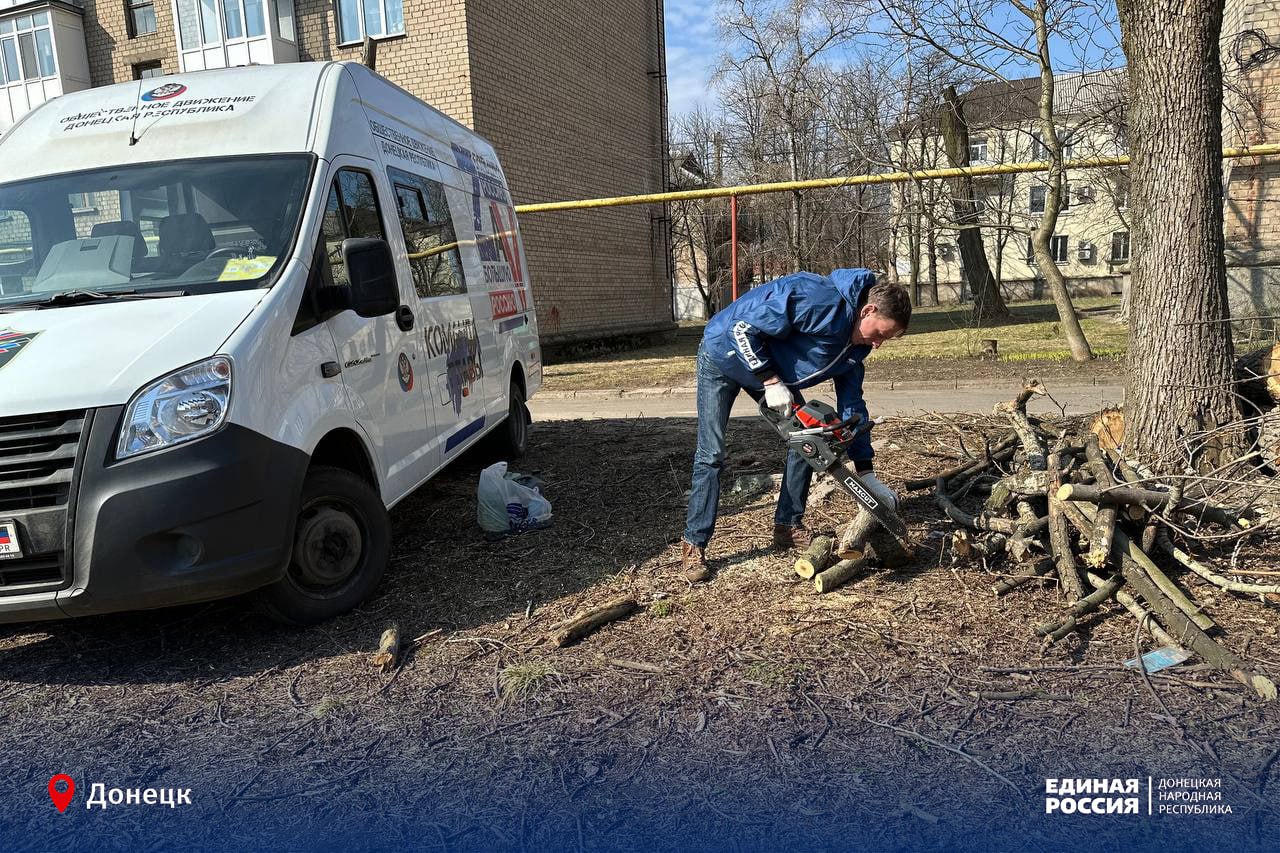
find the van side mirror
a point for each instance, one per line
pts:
(372, 273)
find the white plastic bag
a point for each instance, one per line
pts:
(504, 505)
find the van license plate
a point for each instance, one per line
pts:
(9, 547)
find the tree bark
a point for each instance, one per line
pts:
(988, 304)
(1180, 351)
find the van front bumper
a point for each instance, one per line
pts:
(198, 521)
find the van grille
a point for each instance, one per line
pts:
(26, 571)
(37, 459)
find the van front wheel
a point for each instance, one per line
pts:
(341, 545)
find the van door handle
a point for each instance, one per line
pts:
(404, 318)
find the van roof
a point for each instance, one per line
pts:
(227, 112)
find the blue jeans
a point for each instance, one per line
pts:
(716, 393)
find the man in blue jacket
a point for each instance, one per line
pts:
(776, 339)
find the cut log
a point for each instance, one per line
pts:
(1152, 500)
(838, 574)
(853, 542)
(1032, 446)
(1055, 631)
(966, 548)
(584, 622)
(1108, 426)
(388, 649)
(816, 558)
(1060, 536)
(1128, 552)
(1190, 636)
(1105, 522)
(889, 552)
(984, 521)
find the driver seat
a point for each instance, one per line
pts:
(185, 240)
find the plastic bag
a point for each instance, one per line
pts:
(509, 503)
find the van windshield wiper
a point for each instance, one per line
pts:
(80, 297)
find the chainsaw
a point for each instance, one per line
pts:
(815, 431)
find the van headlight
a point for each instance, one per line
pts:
(187, 404)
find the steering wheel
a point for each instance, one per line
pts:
(229, 251)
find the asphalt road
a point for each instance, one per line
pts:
(881, 402)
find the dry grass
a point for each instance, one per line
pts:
(752, 695)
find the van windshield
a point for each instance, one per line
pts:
(194, 226)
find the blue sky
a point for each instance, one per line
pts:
(692, 51)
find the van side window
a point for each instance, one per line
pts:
(350, 211)
(429, 235)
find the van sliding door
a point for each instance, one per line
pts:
(455, 374)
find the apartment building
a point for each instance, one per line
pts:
(1091, 240)
(571, 93)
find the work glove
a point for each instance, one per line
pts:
(778, 397)
(883, 493)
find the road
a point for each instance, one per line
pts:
(886, 403)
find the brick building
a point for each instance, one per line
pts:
(571, 94)
(1251, 116)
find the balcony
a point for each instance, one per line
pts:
(42, 54)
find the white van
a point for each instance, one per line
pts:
(242, 314)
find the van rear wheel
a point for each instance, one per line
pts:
(511, 440)
(341, 545)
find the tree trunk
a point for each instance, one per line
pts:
(1180, 351)
(987, 302)
(1070, 323)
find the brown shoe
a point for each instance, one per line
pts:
(694, 562)
(786, 537)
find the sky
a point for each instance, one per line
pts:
(693, 50)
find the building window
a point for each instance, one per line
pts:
(284, 17)
(1121, 189)
(1038, 197)
(358, 18)
(81, 201)
(26, 48)
(208, 22)
(141, 15)
(1058, 249)
(147, 70)
(977, 149)
(1038, 149)
(1066, 197)
(1120, 246)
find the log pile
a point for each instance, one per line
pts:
(830, 564)
(1065, 504)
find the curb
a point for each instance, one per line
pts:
(894, 385)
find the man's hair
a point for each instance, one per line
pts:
(892, 301)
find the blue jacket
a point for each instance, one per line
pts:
(798, 328)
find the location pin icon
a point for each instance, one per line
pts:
(62, 799)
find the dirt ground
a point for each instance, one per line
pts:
(911, 709)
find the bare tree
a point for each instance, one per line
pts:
(1180, 350)
(785, 41)
(965, 31)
